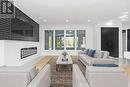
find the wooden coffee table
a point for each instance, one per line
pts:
(64, 65)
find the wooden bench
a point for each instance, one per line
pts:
(41, 63)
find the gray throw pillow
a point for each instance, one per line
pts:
(91, 53)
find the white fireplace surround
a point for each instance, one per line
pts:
(11, 52)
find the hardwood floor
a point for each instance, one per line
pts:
(127, 70)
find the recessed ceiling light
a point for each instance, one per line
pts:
(45, 20)
(109, 23)
(89, 20)
(67, 20)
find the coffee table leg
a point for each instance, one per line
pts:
(57, 67)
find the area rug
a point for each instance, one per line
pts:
(59, 78)
(62, 78)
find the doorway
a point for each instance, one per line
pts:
(123, 42)
(128, 39)
(110, 40)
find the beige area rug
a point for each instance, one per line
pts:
(62, 78)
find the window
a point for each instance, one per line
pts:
(70, 39)
(81, 39)
(59, 39)
(48, 39)
(65, 39)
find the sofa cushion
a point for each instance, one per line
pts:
(14, 79)
(86, 59)
(20, 69)
(105, 54)
(98, 54)
(91, 53)
(102, 61)
(106, 76)
(105, 69)
(93, 69)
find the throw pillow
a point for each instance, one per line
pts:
(91, 53)
(87, 51)
(98, 54)
(105, 54)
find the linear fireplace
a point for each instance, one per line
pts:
(26, 52)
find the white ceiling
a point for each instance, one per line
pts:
(75, 11)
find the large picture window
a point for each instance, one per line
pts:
(81, 39)
(65, 39)
(48, 40)
(70, 39)
(59, 39)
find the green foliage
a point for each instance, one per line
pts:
(64, 53)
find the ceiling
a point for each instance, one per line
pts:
(75, 11)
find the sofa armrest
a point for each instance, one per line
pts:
(14, 79)
(92, 69)
(78, 77)
(42, 79)
(106, 77)
(108, 80)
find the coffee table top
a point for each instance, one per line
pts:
(59, 60)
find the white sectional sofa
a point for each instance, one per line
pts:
(78, 78)
(24, 76)
(106, 76)
(100, 57)
(100, 76)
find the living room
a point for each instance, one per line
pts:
(70, 43)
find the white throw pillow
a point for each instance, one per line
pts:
(98, 54)
(105, 54)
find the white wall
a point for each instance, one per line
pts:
(11, 52)
(89, 37)
(1, 52)
(125, 26)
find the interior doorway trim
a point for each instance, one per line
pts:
(110, 40)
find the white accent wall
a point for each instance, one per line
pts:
(11, 52)
(1, 52)
(89, 37)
